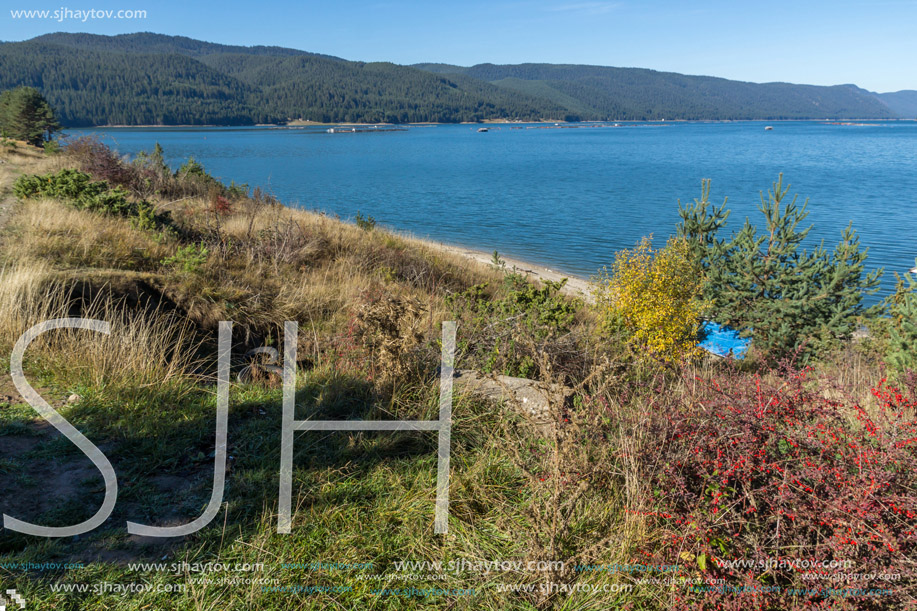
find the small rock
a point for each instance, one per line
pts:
(73, 398)
(531, 397)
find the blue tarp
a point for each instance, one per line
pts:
(724, 341)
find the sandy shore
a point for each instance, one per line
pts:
(576, 287)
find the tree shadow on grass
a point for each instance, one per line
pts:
(162, 446)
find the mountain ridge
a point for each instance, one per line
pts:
(147, 78)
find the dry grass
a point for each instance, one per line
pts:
(143, 347)
(22, 158)
(265, 263)
(24, 298)
(51, 231)
(270, 263)
(142, 350)
(310, 239)
(42, 242)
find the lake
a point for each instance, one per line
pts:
(569, 198)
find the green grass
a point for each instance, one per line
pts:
(359, 498)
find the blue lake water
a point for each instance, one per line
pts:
(570, 198)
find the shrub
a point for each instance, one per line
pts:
(766, 471)
(52, 147)
(149, 174)
(503, 327)
(66, 184)
(192, 180)
(102, 163)
(191, 167)
(146, 218)
(655, 296)
(219, 204)
(113, 201)
(390, 328)
(544, 308)
(793, 299)
(237, 191)
(154, 174)
(497, 262)
(78, 190)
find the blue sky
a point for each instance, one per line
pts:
(868, 43)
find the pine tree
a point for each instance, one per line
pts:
(767, 286)
(902, 349)
(699, 226)
(26, 115)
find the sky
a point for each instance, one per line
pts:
(868, 43)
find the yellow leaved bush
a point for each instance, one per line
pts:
(654, 295)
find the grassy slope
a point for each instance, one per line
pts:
(146, 397)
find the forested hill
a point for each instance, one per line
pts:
(635, 93)
(147, 42)
(139, 79)
(902, 103)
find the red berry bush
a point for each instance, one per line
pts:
(772, 496)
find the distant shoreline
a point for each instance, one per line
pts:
(498, 121)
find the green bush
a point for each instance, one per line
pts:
(192, 167)
(66, 184)
(52, 147)
(188, 258)
(145, 218)
(505, 331)
(78, 190)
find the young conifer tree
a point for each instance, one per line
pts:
(700, 223)
(902, 350)
(771, 288)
